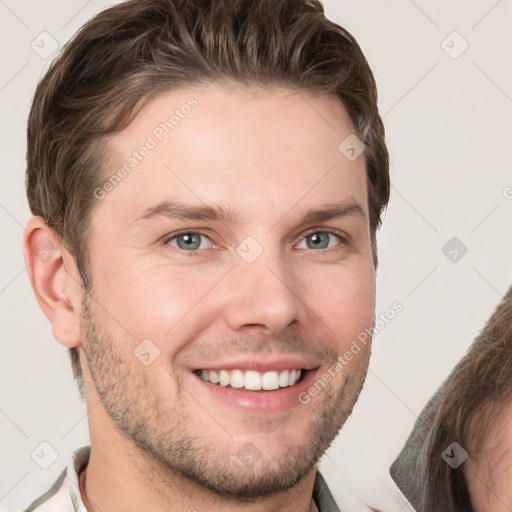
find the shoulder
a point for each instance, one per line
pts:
(381, 494)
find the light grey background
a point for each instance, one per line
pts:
(449, 127)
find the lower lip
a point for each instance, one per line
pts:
(274, 401)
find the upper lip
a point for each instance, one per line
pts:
(261, 365)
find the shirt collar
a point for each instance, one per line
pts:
(77, 464)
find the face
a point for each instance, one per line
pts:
(232, 271)
(488, 474)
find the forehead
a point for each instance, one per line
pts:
(263, 149)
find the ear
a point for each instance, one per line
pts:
(55, 280)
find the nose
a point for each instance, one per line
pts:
(263, 294)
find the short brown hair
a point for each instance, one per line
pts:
(129, 52)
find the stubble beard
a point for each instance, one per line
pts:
(168, 438)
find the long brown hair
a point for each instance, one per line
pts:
(462, 412)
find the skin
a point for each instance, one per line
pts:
(157, 435)
(488, 471)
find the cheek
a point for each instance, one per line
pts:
(489, 477)
(344, 300)
(177, 302)
(162, 301)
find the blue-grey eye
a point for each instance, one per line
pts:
(321, 240)
(188, 241)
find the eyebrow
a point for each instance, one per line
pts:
(177, 210)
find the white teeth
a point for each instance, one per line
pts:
(284, 378)
(237, 379)
(270, 380)
(252, 380)
(224, 378)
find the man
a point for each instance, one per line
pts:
(207, 179)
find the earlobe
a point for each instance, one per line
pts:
(54, 280)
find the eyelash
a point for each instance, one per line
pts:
(167, 239)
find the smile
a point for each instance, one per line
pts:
(250, 379)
